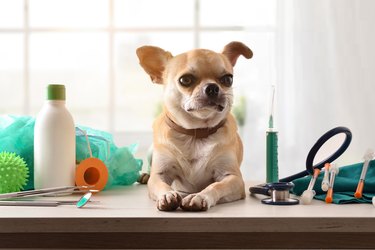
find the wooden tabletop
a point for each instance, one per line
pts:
(126, 218)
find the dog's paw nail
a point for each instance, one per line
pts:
(169, 202)
(161, 204)
(204, 205)
(194, 202)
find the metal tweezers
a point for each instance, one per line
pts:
(38, 203)
(46, 192)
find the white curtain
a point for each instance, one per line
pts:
(326, 77)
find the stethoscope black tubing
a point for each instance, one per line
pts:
(314, 150)
(260, 189)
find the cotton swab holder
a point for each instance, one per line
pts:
(309, 193)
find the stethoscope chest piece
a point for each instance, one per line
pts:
(280, 195)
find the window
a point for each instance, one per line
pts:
(89, 45)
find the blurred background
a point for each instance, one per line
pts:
(319, 54)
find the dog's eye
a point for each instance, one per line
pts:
(187, 80)
(226, 80)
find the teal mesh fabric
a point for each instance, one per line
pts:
(17, 135)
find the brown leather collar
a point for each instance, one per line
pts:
(198, 132)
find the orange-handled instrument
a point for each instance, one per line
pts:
(368, 157)
(333, 170)
(329, 197)
(358, 192)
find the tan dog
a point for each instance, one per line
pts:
(197, 151)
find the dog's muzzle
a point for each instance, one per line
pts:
(210, 97)
(214, 97)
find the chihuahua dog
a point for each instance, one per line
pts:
(197, 152)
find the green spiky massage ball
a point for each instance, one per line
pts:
(13, 172)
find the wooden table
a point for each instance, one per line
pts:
(127, 218)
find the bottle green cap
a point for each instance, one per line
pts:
(56, 92)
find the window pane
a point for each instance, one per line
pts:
(238, 12)
(11, 73)
(80, 61)
(68, 13)
(138, 100)
(151, 13)
(11, 13)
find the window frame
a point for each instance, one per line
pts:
(111, 31)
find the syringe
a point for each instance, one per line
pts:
(272, 174)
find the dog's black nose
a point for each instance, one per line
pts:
(212, 90)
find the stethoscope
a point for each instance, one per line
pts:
(279, 191)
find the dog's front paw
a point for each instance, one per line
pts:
(196, 202)
(169, 201)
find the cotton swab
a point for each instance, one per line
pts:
(325, 182)
(333, 171)
(309, 193)
(369, 155)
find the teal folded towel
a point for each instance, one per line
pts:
(345, 184)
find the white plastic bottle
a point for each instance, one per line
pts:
(54, 142)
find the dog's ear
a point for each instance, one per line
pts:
(234, 49)
(153, 61)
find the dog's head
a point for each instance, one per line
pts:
(198, 83)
